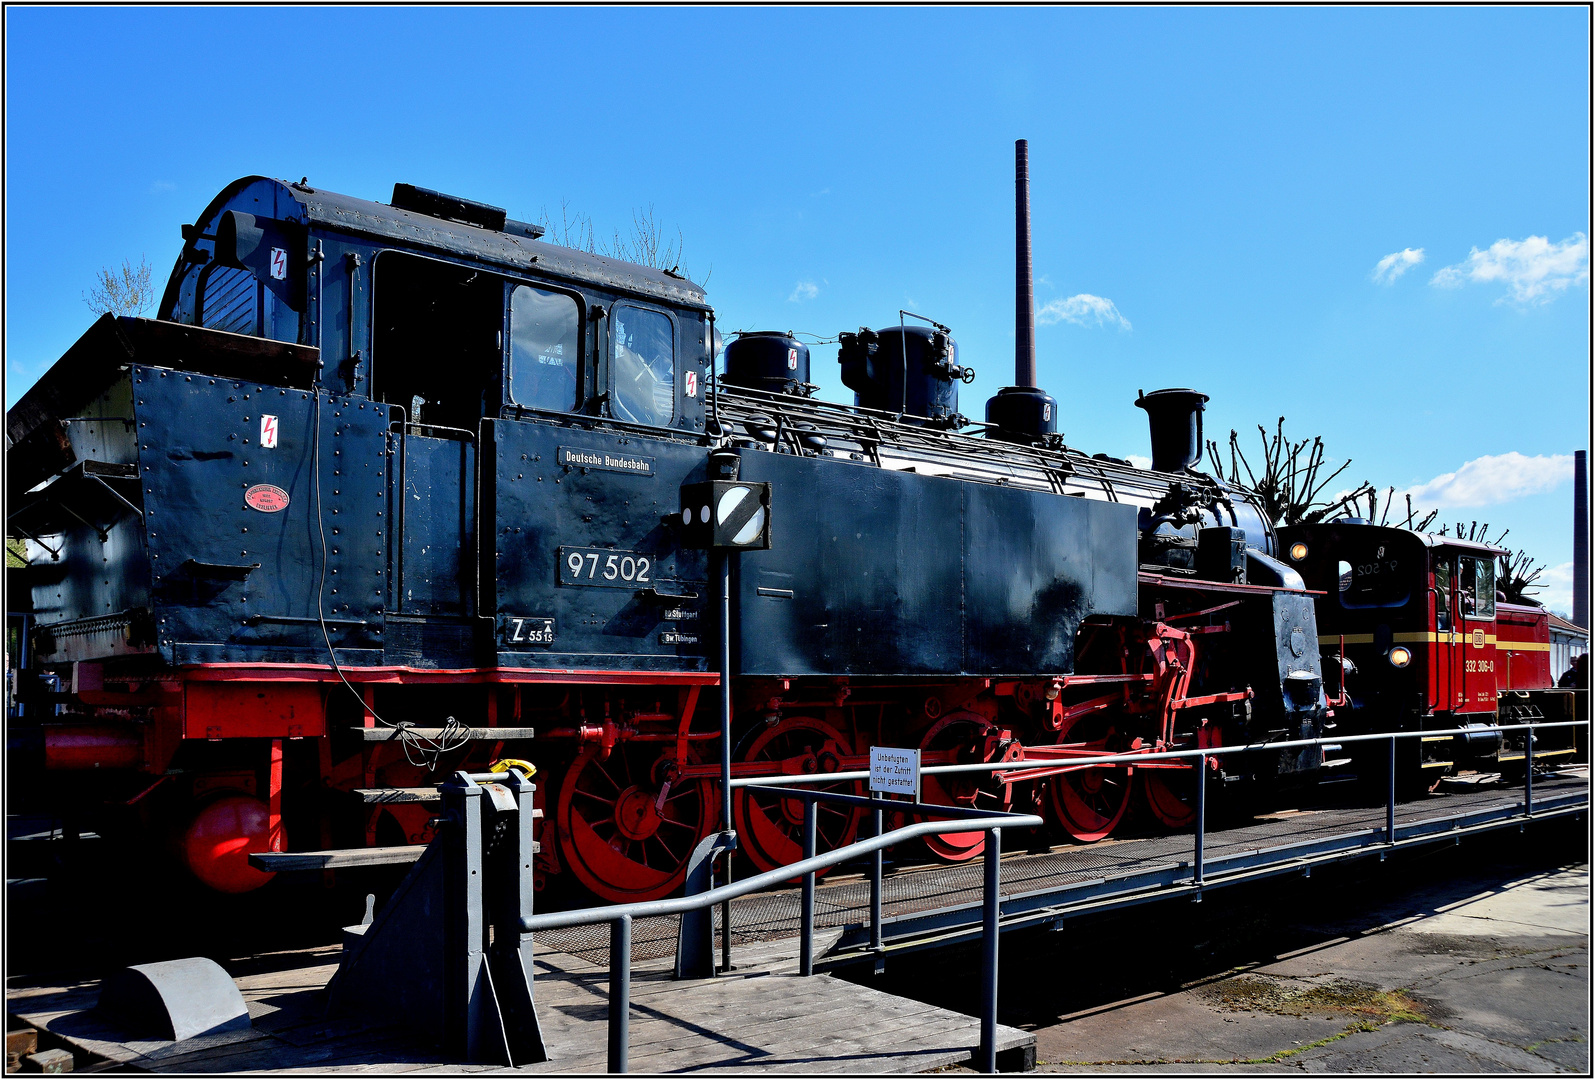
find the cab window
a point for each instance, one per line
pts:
(436, 340)
(1373, 577)
(545, 349)
(1478, 587)
(643, 365)
(1442, 591)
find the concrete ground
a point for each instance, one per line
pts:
(1450, 959)
(1496, 980)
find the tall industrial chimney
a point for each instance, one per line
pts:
(1581, 538)
(1024, 352)
(1023, 413)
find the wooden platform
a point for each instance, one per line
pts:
(760, 1017)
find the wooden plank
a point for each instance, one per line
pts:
(339, 859)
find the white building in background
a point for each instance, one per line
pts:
(1567, 641)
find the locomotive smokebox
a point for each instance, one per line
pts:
(1175, 417)
(768, 360)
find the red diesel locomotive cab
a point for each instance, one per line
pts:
(1427, 643)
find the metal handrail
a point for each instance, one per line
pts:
(1135, 757)
(955, 819)
(620, 916)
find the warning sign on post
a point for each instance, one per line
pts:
(893, 771)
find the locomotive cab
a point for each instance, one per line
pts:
(444, 308)
(1415, 622)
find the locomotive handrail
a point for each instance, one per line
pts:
(620, 916)
(1160, 755)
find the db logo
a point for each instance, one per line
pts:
(268, 432)
(279, 264)
(692, 384)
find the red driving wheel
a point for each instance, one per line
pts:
(1170, 795)
(967, 733)
(1088, 803)
(623, 830)
(770, 827)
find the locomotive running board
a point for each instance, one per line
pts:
(446, 956)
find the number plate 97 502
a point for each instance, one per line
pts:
(604, 566)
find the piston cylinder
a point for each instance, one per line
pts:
(93, 746)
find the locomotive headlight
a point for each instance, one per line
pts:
(1400, 657)
(1298, 551)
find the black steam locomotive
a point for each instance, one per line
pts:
(389, 489)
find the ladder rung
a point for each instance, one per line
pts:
(480, 734)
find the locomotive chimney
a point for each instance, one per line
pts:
(1024, 358)
(1175, 417)
(1581, 538)
(1023, 413)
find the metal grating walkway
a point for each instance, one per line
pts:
(923, 900)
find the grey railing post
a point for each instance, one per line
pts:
(810, 827)
(1390, 802)
(991, 911)
(1201, 820)
(877, 865)
(619, 992)
(725, 921)
(726, 825)
(1528, 772)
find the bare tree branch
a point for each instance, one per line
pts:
(127, 292)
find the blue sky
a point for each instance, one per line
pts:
(1213, 191)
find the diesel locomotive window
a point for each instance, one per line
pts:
(435, 339)
(1442, 591)
(1374, 577)
(643, 362)
(1478, 587)
(545, 349)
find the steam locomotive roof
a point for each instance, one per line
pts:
(314, 207)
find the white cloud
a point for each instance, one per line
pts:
(1534, 270)
(806, 290)
(1496, 478)
(1395, 264)
(1138, 461)
(1082, 310)
(1558, 592)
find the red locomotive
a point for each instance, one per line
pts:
(1415, 621)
